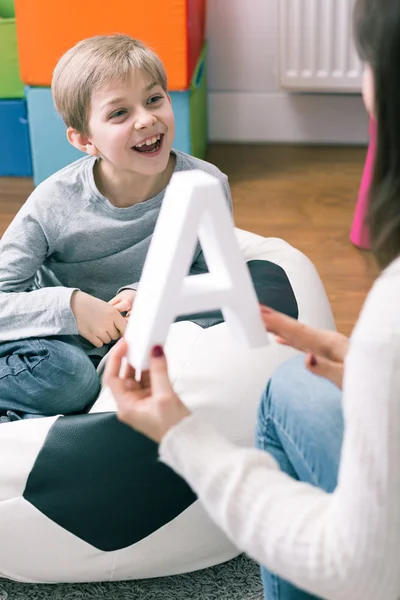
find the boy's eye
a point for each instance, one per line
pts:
(118, 113)
(154, 99)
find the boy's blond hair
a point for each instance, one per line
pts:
(96, 62)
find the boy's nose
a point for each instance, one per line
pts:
(145, 119)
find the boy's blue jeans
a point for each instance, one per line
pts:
(46, 376)
(300, 422)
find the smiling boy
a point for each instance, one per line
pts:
(71, 259)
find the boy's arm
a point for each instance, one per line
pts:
(25, 313)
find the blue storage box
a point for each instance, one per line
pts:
(51, 150)
(15, 153)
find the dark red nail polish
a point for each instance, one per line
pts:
(313, 361)
(157, 352)
(266, 310)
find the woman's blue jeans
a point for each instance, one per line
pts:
(300, 422)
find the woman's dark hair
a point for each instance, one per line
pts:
(377, 34)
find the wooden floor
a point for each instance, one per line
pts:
(305, 195)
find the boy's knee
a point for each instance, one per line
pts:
(82, 389)
(70, 381)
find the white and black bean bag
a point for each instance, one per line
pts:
(84, 498)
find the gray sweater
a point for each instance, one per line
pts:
(68, 236)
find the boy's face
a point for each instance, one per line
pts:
(131, 125)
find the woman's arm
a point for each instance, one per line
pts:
(340, 546)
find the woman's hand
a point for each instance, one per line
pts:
(326, 350)
(151, 405)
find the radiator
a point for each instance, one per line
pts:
(316, 49)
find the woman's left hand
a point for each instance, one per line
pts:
(325, 350)
(149, 406)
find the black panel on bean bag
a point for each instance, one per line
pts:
(272, 287)
(102, 481)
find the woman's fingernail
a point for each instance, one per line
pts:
(157, 352)
(266, 310)
(313, 360)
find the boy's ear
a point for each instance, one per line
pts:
(81, 142)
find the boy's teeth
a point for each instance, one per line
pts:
(148, 142)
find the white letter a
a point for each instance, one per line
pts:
(194, 207)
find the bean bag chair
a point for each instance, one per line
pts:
(85, 498)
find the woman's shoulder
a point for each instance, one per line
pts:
(380, 315)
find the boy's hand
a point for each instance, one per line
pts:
(97, 321)
(124, 301)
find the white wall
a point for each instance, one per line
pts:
(246, 103)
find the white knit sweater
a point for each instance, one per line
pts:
(344, 545)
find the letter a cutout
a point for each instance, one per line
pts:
(194, 208)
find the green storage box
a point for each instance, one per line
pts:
(11, 85)
(190, 108)
(7, 10)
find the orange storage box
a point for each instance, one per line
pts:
(174, 29)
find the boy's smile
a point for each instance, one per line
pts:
(150, 146)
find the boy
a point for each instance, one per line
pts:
(71, 259)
